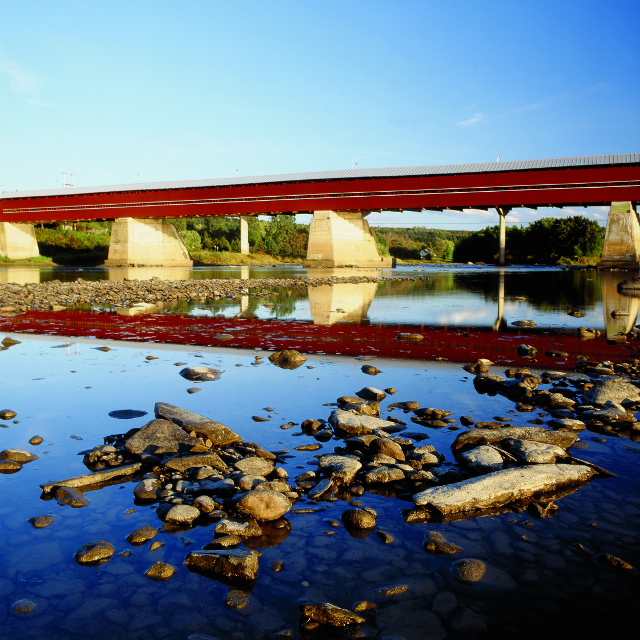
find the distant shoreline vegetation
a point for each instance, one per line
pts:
(216, 240)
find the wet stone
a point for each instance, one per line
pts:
(357, 519)
(371, 393)
(263, 505)
(200, 374)
(94, 552)
(182, 514)
(36, 440)
(41, 521)
(160, 571)
(6, 466)
(71, 497)
(142, 535)
(23, 607)
(17, 455)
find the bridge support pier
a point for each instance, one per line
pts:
(146, 242)
(502, 212)
(621, 248)
(244, 235)
(18, 241)
(342, 239)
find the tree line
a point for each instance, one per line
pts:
(546, 241)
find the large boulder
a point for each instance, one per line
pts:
(263, 505)
(219, 434)
(161, 437)
(18, 455)
(615, 389)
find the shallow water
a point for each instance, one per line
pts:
(63, 389)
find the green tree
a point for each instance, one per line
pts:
(278, 235)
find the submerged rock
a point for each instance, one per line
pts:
(471, 576)
(502, 487)
(358, 519)
(435, 542)
(40, 522)
(71, 496)
(142, 535)
(330, 614)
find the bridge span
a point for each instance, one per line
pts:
(339, 201)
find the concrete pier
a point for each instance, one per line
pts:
(146, 242)
(342, 239)
(621, 248)
(244, 235)
(18, 241)
(502, 212)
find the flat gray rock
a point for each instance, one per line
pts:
(92, 479)
(182, 514)
(502, 487)
(161, 437)
(347, 424)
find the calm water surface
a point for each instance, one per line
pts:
(64, 390)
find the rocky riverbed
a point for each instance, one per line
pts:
(483, 532)
(55, 295)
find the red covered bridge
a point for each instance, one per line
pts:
(339, 201)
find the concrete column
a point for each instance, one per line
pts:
(146, 242)
(613, 300)
(341, 239)
(621, 248)
(244, 235)
(18, 241)
(502, 212)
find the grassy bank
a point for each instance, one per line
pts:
(202, 256)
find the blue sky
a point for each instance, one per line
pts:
(124, 92)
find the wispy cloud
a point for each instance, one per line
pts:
(20, 81)
(471, 122)
(23, 83)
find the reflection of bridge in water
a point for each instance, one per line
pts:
(340, 324)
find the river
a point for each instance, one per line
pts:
(541, 575)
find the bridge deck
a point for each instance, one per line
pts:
(591, 180)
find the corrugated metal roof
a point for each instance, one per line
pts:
(342, 174)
